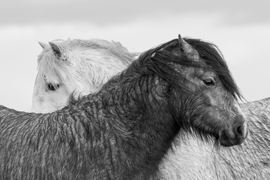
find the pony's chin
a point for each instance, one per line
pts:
(231, 142)
(228, 142)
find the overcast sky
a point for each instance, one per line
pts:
(240, 28)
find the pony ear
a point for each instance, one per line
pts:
(42, 44)
(57, 50)
(187, 49)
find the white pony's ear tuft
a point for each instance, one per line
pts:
(42, 44)
(57, 50)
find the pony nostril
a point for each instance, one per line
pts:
(240, 130)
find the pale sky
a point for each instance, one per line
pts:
(241, 29)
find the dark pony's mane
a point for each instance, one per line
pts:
(213, 58)
(208, 52)
(160, 59)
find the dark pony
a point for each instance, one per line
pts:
(125, 129)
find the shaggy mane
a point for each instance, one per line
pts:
(54, 68)
(212, 56)
(112, 47)
(154, 59)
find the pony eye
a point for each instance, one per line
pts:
(209, 82)
(52, 87)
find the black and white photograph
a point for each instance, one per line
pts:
(135, 90)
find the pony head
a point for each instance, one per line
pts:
(203, 96)
(75, 67)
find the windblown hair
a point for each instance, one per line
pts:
(212, 56)
(114, 48)
(153, 60)
(55, 69)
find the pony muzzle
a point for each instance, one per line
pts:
(234, 135)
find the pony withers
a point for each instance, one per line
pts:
(78, 64)
(125, 129)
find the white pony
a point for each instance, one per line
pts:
(194, 159)
(84, 66)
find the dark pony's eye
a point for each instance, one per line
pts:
(209, 82)
(52, 87)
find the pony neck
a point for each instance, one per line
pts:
(139, 121)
